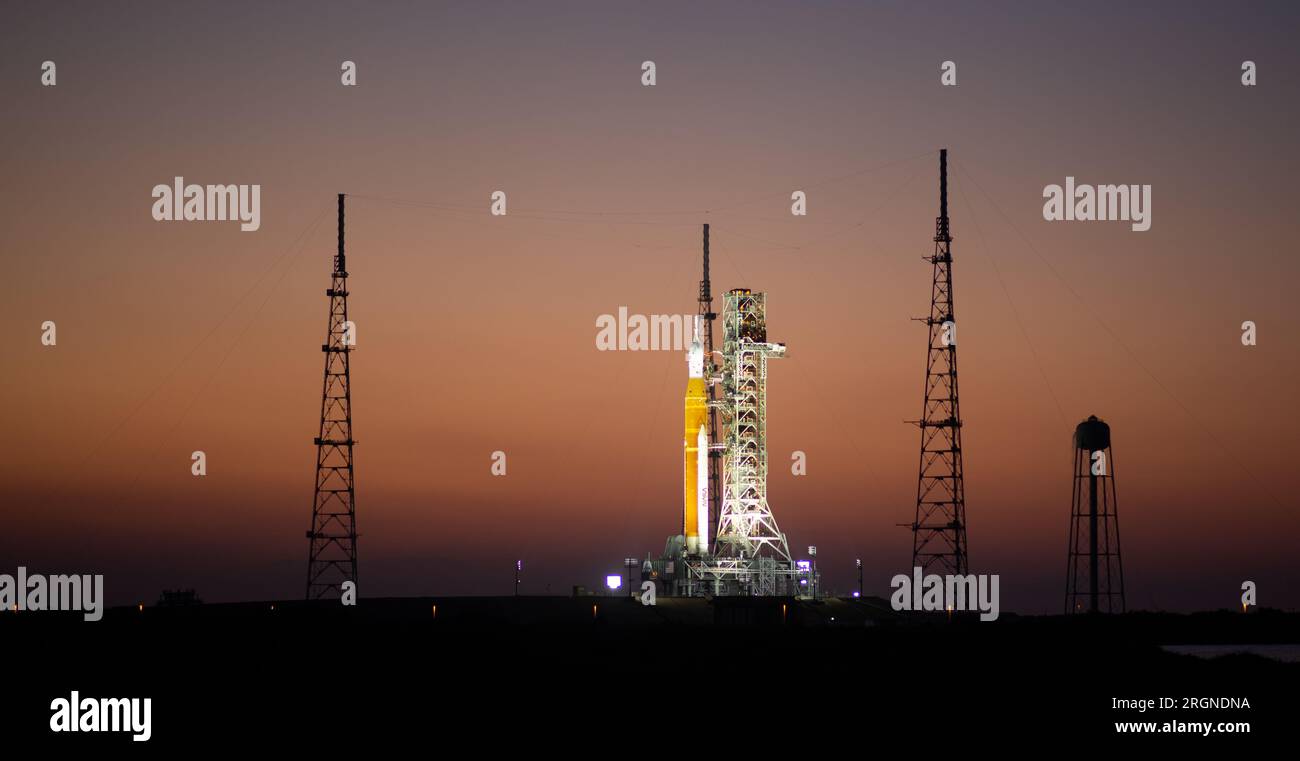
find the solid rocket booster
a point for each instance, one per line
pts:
(702, 487)
(695, 518)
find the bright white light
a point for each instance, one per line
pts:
(695, 355)
(804, 565)
(613, 582)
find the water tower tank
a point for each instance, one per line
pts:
(1092, 435)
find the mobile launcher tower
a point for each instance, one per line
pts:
(744, 552)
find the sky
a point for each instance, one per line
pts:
(476, 333)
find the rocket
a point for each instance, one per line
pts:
(695, 517)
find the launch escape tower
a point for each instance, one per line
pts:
(1094, 580)
(939, 526)
(332, 539)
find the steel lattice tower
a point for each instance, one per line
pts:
(332, 540)
(710, 373)
(747, 530)
(939, 526)
(1094, 580)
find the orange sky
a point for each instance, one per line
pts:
(477, 333)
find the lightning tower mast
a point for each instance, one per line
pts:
(707, 316)
(939, 525)
(332, 539)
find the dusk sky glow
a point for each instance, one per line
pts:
(477, 333)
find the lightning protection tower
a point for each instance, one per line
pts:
(707, 315)
(939, 525)
(1094, 581)
(747, 530)
(332, 539)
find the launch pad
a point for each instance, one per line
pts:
(742, 552)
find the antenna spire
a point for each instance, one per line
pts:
(340, 264)
(942, 233)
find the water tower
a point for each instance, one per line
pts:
(1094, 581)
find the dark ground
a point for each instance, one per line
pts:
(548, 674)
